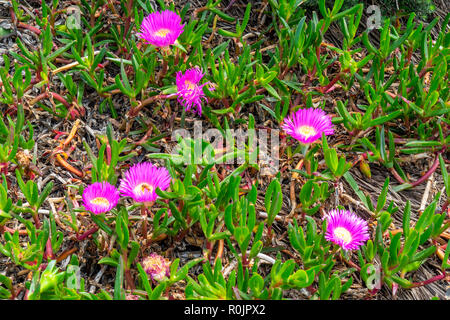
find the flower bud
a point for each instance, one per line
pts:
(156, 267)
(365, 168)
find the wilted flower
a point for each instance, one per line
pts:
(346, 229)
(189, 90)
(100, 197)
(161, 29)
(307, 125)
(142, 180)
(156, 267)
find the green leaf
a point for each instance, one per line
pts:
(109, 261)
(272, 91)
(119, 293)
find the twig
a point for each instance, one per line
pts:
(65, 254)
(426, 193)
(67, 166)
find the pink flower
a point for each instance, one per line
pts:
(142, 180)
(161, 29)
(100, 197)
(346, 229)
(307, 125)
(190, 91)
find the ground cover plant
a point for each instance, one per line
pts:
(159, 150)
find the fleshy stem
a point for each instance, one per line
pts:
(23, 25)
(37, 222)
(163, 70)
(87, 233)
(128, 19)
(306, 162)
(421, 179)
(433, 279)
(145, 209)
(128, 278)
(134, 111)
(144, 217)
(48, 95)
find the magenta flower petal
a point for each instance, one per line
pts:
(307, 125)
(156, 267)
(190, 91)
(161, 29)
(346, 229)
(142, 180)
(100, 197)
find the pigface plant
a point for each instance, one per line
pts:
(281, 149)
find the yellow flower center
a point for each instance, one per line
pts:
(343, 234)
(143, 188)
(162, 32)
(189, 84)
(307, 131)
(100, 201)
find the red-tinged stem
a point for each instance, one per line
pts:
(38, 98)
(332, 83)
(399, 96)
(307, 166)
(209, 249)
(444, 207)
(430, 171)
(15, 293)
(128, 278)
(145, 137)
(244, 261)
(134, 111)
(60, 99)
(4, 168)
(424, 70)
(374, 291)
(128, 20)
(397, 176)
(163, 71)
(269, 234)
(31, 28)
(37, 222)
(311, 289)
(54, 95)
(32, 83)
(87, 233)
(4, 229)
(421, 179)
(424, 283)
(144, 217)
(21, 24)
